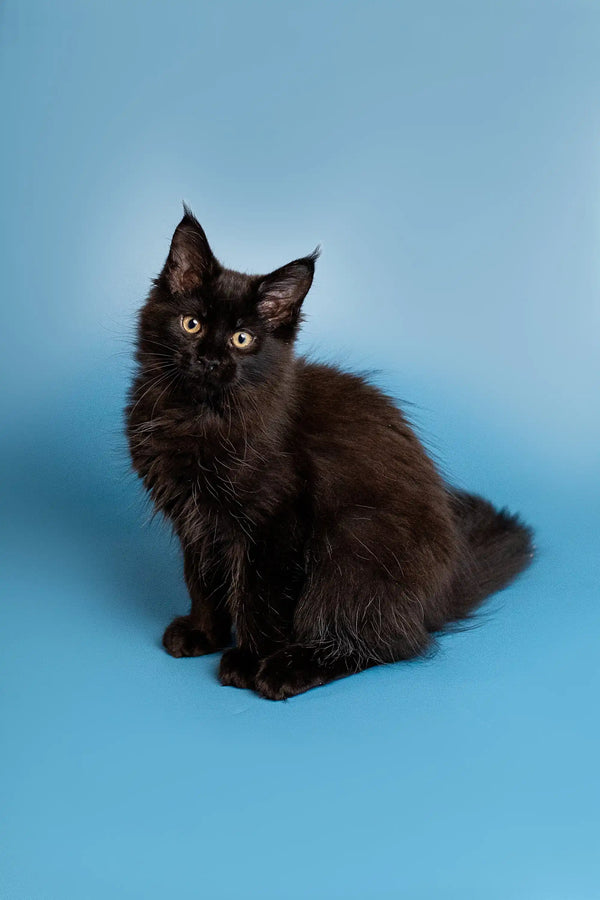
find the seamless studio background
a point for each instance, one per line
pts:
(446, 155)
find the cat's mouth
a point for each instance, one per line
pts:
(214, 379)
(217, 383)
(210, 390)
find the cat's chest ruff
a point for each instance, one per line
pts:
(190, 461)
(193, 467)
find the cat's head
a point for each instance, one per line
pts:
(215, 328)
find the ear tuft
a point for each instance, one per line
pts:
(280, 294)
(188, 212)
(190, 257)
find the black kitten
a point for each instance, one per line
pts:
(311, 519)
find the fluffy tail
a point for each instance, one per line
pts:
(498, 547)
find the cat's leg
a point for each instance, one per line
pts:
(262, 611)
(263, 624)
(257, 637)
(208, 626)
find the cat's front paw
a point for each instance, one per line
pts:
(288, 672)
(238, 668)
(182, 639)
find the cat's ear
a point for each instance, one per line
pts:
(281, 293)
(190, 257)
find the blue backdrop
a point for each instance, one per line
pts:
(446, 156)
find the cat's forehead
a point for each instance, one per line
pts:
(229, 293)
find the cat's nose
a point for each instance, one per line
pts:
(211, 364)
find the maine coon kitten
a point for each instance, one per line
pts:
(314, 527)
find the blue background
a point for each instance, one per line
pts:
(446, 155)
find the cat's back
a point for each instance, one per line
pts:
(333, 401)
(364, 456)
(343, 416)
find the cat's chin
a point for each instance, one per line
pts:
(212, 396)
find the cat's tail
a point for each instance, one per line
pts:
(498, 547)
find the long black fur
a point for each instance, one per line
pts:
(315, 529)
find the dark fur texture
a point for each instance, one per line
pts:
(313, 524)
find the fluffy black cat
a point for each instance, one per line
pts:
(315, 529)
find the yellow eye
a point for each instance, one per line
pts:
(242, 339)
(191, 324)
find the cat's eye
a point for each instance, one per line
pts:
(241, 340)
(191, 324)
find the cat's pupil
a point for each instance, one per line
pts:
(242, 338)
